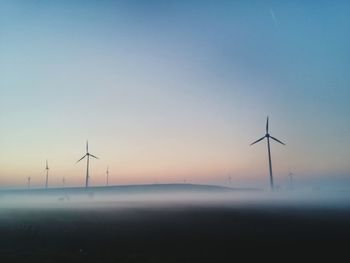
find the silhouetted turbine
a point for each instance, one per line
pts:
(28, 185)
(107, 176)
(290, 176)
(87, 163)
(47, 175)
(268, 136)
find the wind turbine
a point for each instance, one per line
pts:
(47, 175)
(87, 163)
(28, 184)
(268, 136)
(290, 176)
(107, 174)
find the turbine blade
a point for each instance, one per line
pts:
(273, 138)
(81, 158)
(87, 146)
(93, 156)
(267, 125)
(257, 140)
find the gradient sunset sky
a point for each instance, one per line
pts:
(172, 90)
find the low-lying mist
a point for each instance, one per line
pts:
(168, 196)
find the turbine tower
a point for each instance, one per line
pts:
(28, 183)
(290, 176)
(107, 176)
(268, 137)
(87, 163)
(47, 175)
(229, 179)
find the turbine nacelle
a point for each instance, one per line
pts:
(267, 135)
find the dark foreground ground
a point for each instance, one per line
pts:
(180, 233)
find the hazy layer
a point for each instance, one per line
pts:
(116, 199)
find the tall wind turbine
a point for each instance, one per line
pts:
(268, 136)
(47, 175)
(87, 163)
(107, 176)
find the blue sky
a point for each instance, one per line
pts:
(167, 90)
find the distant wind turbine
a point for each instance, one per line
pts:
(290, 176)
(107, 176)
(268, 136)
(47, 175)
(28, 184)
(87, 163)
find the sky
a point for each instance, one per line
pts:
(167, 91)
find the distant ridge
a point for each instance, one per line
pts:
(123, 189)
